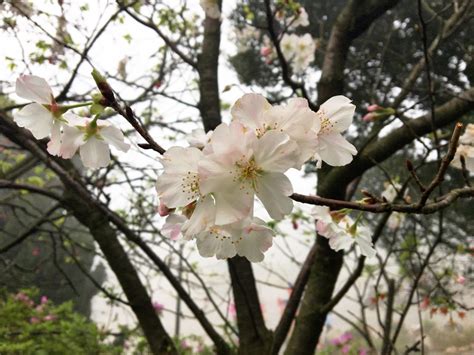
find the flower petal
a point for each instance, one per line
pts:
(335, 150)
(249, 110)
(114, 136)
(36, 118)
(275, 152)
(273, 190)
(217, 243)
(54, 145)
(95, 153)
(254, 240)
(203, 217)
(34, 88)
(233, 205)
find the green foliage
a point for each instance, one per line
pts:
(40, 327)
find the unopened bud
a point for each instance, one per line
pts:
(265, 51)
(163, 210)
(373, 108)
(103, 87)
(409, 165)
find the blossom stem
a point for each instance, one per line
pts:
(82, 104)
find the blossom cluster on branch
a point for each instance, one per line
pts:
(465, 150)
(68, 132)
(208, 189)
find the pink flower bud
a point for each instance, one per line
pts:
(461, 280)
(163, 210)
(369, 117)
(232, 310)
(159, 307)
(44, 300)
(265, 51)
(373, 108)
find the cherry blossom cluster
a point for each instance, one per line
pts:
(342, 231)
(465, 149)
(208, 189)
(67, 132)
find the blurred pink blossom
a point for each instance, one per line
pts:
(265, 51)
(373, 108)
(49, 317)
(159, 307)
(34, 320)
(461, 280)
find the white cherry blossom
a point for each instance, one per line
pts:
(43, 117)
(249, 238)
(235, 173)
(342, 231)
(300, 19)
(178, 186)
(298, 50)
(351, 233)
(92, 138)
(391, 191)
(465, 149)
(295, 119)
(335, 116)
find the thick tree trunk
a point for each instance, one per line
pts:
(353, 20)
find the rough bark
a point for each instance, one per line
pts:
(354, 19)
(254, 338)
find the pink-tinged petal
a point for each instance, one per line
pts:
(71, 140)
(36, 118)
(231, 141)
(215, 176)
(341, 242)
(163, 210)
(95, 153)
(114, 137)
(54, 145)
(179, 160)
(174, 191)
(275, 152)
(203, 216)
(335, 150)
(249, 110)
(273, 190)
(233, 205)
(214, 244)
(34, 88)
(173, 225)
(254, 241)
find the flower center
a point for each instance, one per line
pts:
(218, 233)
(248, 170)
(326, 124)
(190, 185)
(265, 128)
